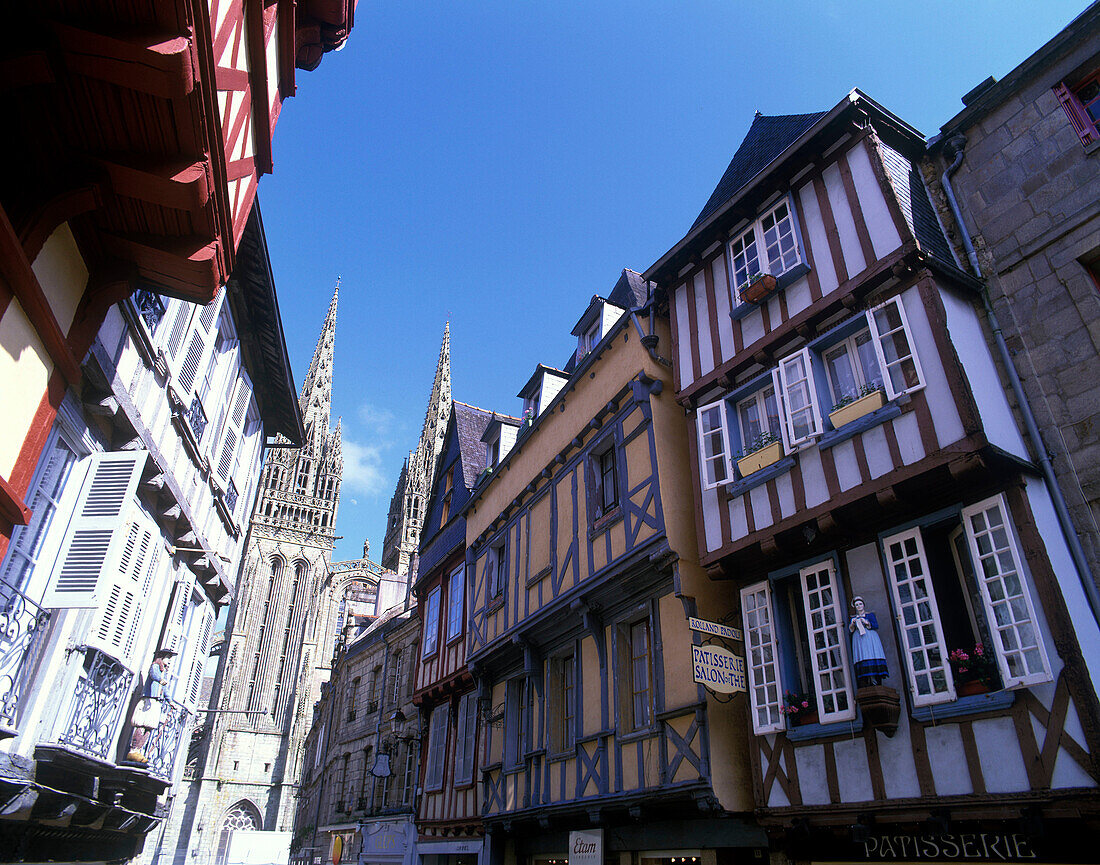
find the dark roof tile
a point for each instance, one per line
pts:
(471, 422)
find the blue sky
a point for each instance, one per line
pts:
(495, 164)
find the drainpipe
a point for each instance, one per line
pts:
(1077, 553)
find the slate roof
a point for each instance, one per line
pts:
(470, 423)
(630, 291)
(765, 140)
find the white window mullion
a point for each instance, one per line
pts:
(765, 685)
(897, 358)
(802, 412)
(1017, 641)
(918, 616)
(828, 642)
(714, 444)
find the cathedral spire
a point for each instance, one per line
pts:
(316, 398)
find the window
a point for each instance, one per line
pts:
(758, 416)
(466, 739)
(796, 640)
(563, 702)
(634, 679)
(589, 338)
(1081, 102)
(958, 583)
(431, 622)
(495, 564)
(714, 445)
(796, 381)
(852, 367)
(603, 469)
(894, 347)
(407, 774)
(437, 747)
(397, 679)
(445, 496)
(517, 721)
(492, 453)
(769, 245)
(456, 594)
(353, 698)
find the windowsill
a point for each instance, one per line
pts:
(495, 603)
(832, 730)
(492, 767)
(1092, 148)
(640, 733)
(464, 785)
(569, 753)
(992, 701)
(534, 579)
(429, 655)
(454, 639)
(743, 308)
(761, 476)
(849, 430)
(605, 522)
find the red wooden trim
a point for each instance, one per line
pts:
(862, 233)
(257, 65)
(12, 507)
(158, 68)
(712, 307)
(861, 458)
(807, 248)
(693, 327)
(738, 338)
(17, 270)
(227, 78)
(798, 487)
(831, 233)
(828, 467)
(1029, 749)
(239, 127)
(750, 520)
(773, 500)
(240, 168)
(182, 184)
(892, 443)
(949, 359)
(794, 790)
(874, 763)
(783, 314)
(765, 320)
(924, 422)
(830, 774)
(723, 517)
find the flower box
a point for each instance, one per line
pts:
(759, 459)
(971, 688)
(758, 288)
(857, 409)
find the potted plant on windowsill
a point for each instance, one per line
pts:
(973, 670)
(758, 287)
(800, 709)
(851, 407)
(762, 451)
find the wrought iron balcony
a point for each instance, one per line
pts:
(196, 417)
(22, 623)
(165, 742)
(97, 706)
(150, 305)
(231, 497)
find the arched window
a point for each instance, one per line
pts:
(243, 815)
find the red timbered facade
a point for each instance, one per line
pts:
(142, 130)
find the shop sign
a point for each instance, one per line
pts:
(718, 668)
(715, 629)
(586, 848)
(984, 846)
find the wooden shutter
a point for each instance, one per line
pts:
(1017, 641)
(197, 344)
(233, 430)
(126, 589)
(1082, 124)
(175, 629)
(200, 635)
(94, 539)
(828, 638)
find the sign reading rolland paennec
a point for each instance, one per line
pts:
(982, 846)
(586, 848)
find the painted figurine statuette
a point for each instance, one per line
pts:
(868, 656)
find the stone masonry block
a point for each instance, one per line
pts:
(998, 116)
(1001, 226)
(979, 149)
(1023, 121)
(1033, 228)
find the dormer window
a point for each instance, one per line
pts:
(590, 337)
(770, 245)
(492, 453)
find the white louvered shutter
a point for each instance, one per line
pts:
(181, 315)
(190, 364)
(177, 614)
(202, 632)
(127, 589)
(95, 536)
(233, 430)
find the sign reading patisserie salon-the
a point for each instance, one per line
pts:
(718, 668)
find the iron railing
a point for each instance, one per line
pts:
(22, 623)
(97, 706)
(150, 306)
(165, 742)
(196, 417)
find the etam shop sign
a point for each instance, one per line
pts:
(586, 848)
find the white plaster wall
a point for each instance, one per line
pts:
(847, 469)
(999, 750)
(739, 526)
(702, 316)
(812, 780)
(551, 387)
(908, 436)
(785, 487)
(899, 774)
(683, 336)
(722, 306)
(813, 477)
(948, 760)
(712, 527)
(845, 222)
(25, 369)
(941, 402)
(813, 235)
(876, 214)
(969, 342)
(853, 774)
(878, 452)
(761, 507)
(60, 271)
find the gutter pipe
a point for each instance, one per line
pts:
(1077, 553)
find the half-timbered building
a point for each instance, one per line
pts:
(449, 813)
(139, 510)
(913, 630)
(142, 130)
(582, 573)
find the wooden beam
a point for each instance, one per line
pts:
(183, 184)
(25, 70)
(188, 267)
(35, 229)
(16, 269)
(12, 507)
(257, 65)
(155, 63)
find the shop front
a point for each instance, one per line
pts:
(465, 851)
(387, 842)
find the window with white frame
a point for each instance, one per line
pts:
(492, 453)
(770, 245)
(466, 738)
(963, 605)
(437, 747)
(797, 643)
(894, 346)
(714, 444)
(456, 595)
(758, 417)
(431, 622)
(852, 367)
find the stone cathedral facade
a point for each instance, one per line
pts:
(279, 642)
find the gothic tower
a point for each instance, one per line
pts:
(415, 484)
(279, 638)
